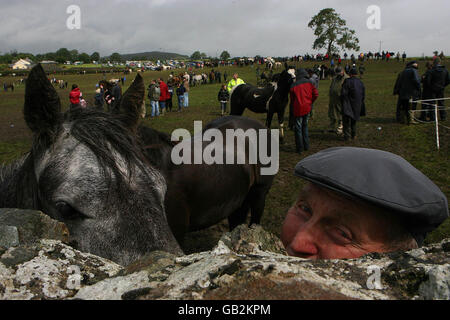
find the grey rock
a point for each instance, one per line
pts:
(49, 269)
(114, 288)
(9, 236)
(437, 287)
(33, 225)
(248, 263)
(246, 240)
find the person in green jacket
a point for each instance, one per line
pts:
(235, 81)
(335, 104)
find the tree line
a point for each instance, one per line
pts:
(61, 56)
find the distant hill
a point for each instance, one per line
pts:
(153, 55)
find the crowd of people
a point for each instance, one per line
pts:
(346, 104)
(346, 97)
(161, 95)
(429, 88)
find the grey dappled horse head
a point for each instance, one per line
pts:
(89, 172)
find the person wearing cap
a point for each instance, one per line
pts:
(359, 201)
(438, 80)
(407, 87)
(353, 105)
(303, 94)
(335, 103)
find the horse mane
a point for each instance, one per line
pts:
(157, 147)
(104, 133)
(18, 185)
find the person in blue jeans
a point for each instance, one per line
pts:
(180, 94)
(301, 133)
(303, 94)
(186, 92)
(154, 94)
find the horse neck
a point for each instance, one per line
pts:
(157, 149)
(18, 186)
(282, 87)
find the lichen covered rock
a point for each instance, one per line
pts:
(248, 263)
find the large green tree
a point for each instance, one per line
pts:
(224, 55)
(116, 57)
(196, 55)
(331, 32)
(95, 56)
(84, 57)
(63, 55)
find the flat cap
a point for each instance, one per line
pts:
(382, 179)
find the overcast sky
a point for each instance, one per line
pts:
(242, 27)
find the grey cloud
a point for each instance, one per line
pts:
(245, 27)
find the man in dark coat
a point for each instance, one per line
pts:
(439, 79)
(353, 106)
(407, 87)
(117, 94)
(426, 94)
(335, 103)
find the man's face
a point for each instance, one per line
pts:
(235, 76)
(324, 225)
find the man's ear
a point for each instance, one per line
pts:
(131, 103)
(42, 107)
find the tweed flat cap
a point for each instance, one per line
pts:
(382, 179)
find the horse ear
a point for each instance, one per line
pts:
(131, 103)
(42, 107)
(286, 66)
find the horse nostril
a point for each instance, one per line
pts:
(66, 211)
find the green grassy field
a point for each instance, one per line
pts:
(415, 143)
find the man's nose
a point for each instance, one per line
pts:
(303, 244)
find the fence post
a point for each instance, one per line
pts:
(437, 124)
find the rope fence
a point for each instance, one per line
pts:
(435, 110)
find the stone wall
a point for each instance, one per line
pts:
(37, 263)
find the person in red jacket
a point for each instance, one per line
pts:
(165, 95)
(303, 94)
(74, 97)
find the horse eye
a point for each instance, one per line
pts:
(66, 211)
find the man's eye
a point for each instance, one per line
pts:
(305, 209)
(341, 235)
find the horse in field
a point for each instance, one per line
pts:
(88, 169)
(270, 99)
(7, 86)
(197, 79)
(201, 195)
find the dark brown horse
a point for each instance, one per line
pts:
(201, 195)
